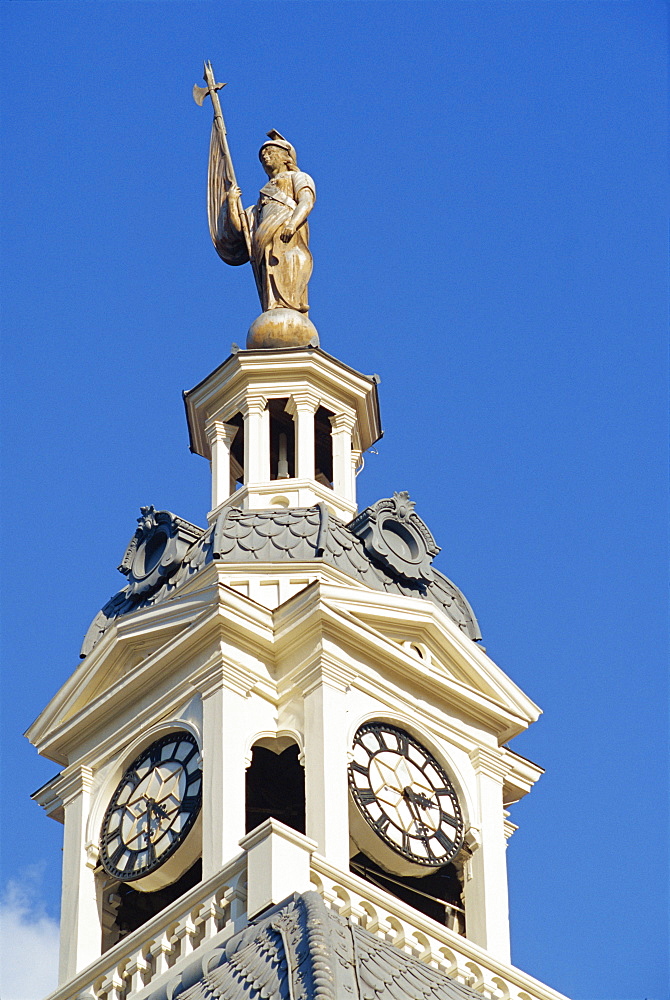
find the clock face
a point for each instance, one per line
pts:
(405, 795)
(153, 808)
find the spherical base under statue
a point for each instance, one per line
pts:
(281, 328)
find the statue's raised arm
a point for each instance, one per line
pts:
(273, 234)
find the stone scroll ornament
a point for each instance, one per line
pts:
(396, 538)
(272, 235)
(156, 550)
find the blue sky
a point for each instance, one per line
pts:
(490, 236)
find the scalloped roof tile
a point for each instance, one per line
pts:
(299, 534)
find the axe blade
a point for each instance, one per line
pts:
(199, 94)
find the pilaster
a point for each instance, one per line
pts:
(80, 931)
(486, 893)
(220, 436)
(303, 406)
(343, 477)
(256, 439)
(225, 691)
(326, 790)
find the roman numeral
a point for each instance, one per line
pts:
(359, 743)
(403, 744)
(381, 825)
(366, 796)
(429, 849)
(189, 802)
(115, 832)
(451, 820)
(132, 779)
(116, 856)
(355, 766)
(442, 839)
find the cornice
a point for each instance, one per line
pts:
(311, 617)
(222, 673)
(303, 399)
(451, 643)
(217, 429)
(277, 376)
(509, 828)
(72, 782)
(272, 827)
(489, 762)
(111, 654)
(253, 401)
(521, 775)
(227, 410)
(323, 669)
(345, 420)
(493, 714)
(235, 617)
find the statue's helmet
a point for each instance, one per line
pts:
(275, 138)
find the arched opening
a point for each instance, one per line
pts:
(275, 786)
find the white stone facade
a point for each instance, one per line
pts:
(294, 653)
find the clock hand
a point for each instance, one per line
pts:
(150, 806)
(413, 800)
(423, 800)
(160, 811)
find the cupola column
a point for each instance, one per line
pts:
(220, 436)
(315, 460)
(486, 893)
(256, 439)
(302, 406)
(80, 932)
(343, 476)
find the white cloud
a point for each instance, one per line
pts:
(28, 943)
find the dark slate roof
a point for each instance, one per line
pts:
(301, 950)
(297, 534)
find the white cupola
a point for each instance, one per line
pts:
(284, 428)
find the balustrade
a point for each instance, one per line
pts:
(400, 925)
(217, 905)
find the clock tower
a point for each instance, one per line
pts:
(285, 769)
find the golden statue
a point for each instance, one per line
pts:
(273, 234)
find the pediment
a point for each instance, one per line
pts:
(127, 644)
(127, 652)
(432, 646)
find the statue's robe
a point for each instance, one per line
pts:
(282, 269)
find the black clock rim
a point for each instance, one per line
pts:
(159, 862)
(436, 862)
